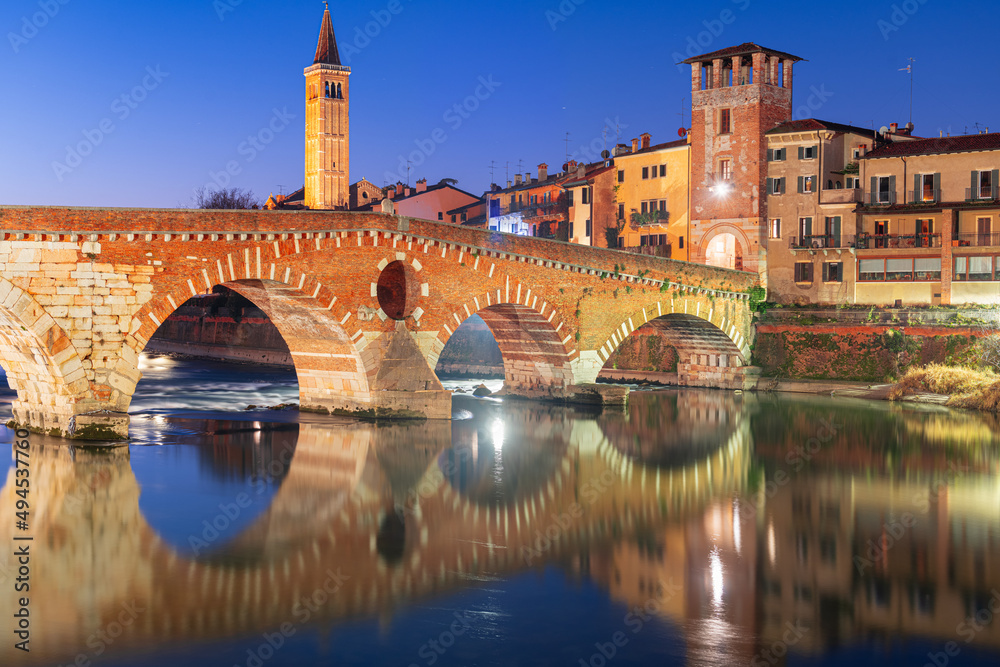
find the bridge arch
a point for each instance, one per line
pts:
(42, 365)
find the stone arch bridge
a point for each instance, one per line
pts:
(365, 302)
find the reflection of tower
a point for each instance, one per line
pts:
(327, 125)
(738, 94)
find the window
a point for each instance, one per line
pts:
(980, 268)
(984, 184)
(645, 207)
(833, 272)
(454, 218)
(440, 215)
(680, 243)
(725, 121)
(805, 230)
(884, 189)
(621, 175)
(850, 182)
(983, 228)
(774, 231)
(929, 268)
(663, 171)
(776, 155)
(871, 269)
(585, 196)
(590, 229)
(547, 197)
(856, 155)
(654, 172)
(803, 272)
(899, 269)
(571, 230)
(775, 186)
(465, 217)
(807, 184)
(663, 204)
(725, 170)
(621, 211)
(807, 152)
(569, 197)
(645, 173)
(903, 269)
(927, 186)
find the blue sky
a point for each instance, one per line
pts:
(202, 77)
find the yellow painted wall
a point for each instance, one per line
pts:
(674, 188)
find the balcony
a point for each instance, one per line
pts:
(821, 242)
(923, 197)
(979, 240)
(893, 241)
(879, 198)
(840, 196)
(558, 207)
(984, 193)
(652, 250)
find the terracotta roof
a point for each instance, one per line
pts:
(960, 144)
(814, 124)
(326, 50)
(658, 147)
(434, 188)
(741, 50)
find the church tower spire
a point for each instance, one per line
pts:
(327, 124)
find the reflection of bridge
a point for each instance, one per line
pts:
(335, 512)
(365, 303)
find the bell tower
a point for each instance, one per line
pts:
(327, 125)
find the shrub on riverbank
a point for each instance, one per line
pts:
(968, 388)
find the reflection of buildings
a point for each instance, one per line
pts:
(421, 510)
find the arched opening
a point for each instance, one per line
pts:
(398, 290)
(340, 91)
(328, 89)
(676, 349)
(472, 353)
(724, 251)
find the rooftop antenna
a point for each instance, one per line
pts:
(909, 68)
(567, 146)
(508, 171)
(493, 164)
(683, 99)
(520, 166)
(408, 163)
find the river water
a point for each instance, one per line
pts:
(697, 527)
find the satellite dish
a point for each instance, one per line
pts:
(566, 167)
(605, 154)
(883, 130)
(682, 132)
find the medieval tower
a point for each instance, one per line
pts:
(738, 94)
(327, 125)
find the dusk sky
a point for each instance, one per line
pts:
(212, 73)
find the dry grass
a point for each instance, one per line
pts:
(968, 388)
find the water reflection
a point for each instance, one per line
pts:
(731, 518)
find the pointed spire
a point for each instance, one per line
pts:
(326, 50)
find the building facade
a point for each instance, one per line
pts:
(651, 197)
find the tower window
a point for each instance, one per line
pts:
(725, 125)
(328, 89)
(725, 170)
(340, 92)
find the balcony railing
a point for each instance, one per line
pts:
(817, 241)
(876, 241)
(653, 250)
(923, 196)
(840, 196)
(560, 205)
(976, 240)
(878, 198)
(983, 193)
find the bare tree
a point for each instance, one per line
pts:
(226, 198)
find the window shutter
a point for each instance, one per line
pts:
(918, 189)
(809, 227)
(993, 183)
(782, 186)
(835, 231)
(874, 191)
(770, 185)
(770, 155)
(937, 187)
(892, 189)
(974, 188)
(784, 152)
(826, 272)
(802, 152)
(801, 179)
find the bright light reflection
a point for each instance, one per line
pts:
(770, 543)
(737, 530)
(498, 433)
(715, 565)
(157, 363)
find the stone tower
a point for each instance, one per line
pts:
(738, 94)
(327, 125)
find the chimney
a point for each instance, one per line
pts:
(422, 185)
(581, 171)
(543, 172)
(893, 127)
(645, 140)
(635, 145)
(621, 149)
(390, 191)
(517, 179)
(509, 185)
(571, 166)
(527, 177)
(862, 149)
